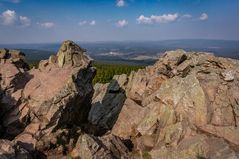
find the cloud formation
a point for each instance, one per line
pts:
(47, 25)
(92, 22)
(157, 19)
(8, 17)
(203, 17)
(81, 23)
(84, 22)
(25, 21)
(121, 23)
(120, 3)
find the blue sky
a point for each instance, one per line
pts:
(37, 21)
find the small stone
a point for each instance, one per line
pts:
(52, 59)
(43, 64)
(228, 75)
(3, 53)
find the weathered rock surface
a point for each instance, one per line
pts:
(9, 150)
(107, 147)
(13, 78)
(185, 106)
(107, 102)
(42, 106)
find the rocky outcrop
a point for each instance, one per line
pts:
(185, 106)
(42, 105)
(107, 147)
(9, 150)
(13, 78)
(107, 103)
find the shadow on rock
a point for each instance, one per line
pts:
(14, 75)
(107, 103)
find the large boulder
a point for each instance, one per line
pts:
(41, 103)
(8, 150)
(107, 147)
(184, 106)
(13, 78)
(107, 103)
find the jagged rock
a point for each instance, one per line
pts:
(130, 115)
(228, 75)
(106, 105)
(50, 98)
(55, 103)
(8, 150)
(185, 106)
(182, 100)
(14, 76)
(107, 147)
(71, 54)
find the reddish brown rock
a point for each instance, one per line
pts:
(194, 97)
(40, 101)
(185, 106)
(107, 147)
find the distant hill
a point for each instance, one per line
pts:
(136, 52)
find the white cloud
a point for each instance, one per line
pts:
(25, 21)
(122, 23)
(81, 23)
(47, 25)
(92, 22)
(157, 19)
(84, 22)
(120, 3)
(8, 17)
(203, 17)
(185, 17)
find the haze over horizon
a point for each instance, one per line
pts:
(32, 21)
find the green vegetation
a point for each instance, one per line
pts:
(105, 72)
(33, 63)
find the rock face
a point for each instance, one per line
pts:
(41, 106)
(106, 147)
(185, 106)
(107, 103)
(13, 78)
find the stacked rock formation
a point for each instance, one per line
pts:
(185, 106)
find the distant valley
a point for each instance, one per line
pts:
(132, 52)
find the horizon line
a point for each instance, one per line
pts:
(118, 41)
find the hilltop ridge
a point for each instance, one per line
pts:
(184, 106)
